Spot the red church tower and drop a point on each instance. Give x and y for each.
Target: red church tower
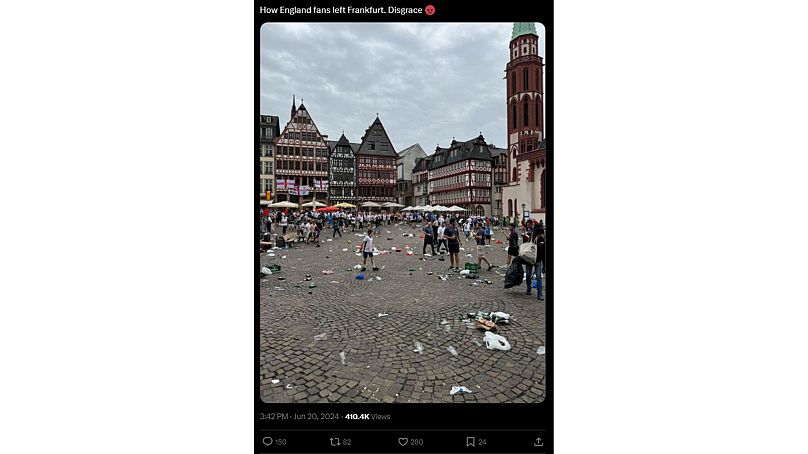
(525, 103)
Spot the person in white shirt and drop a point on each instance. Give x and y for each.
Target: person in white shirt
(284, 223)
(367, 250)
(441, 237)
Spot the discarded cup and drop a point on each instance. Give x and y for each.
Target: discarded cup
(540, 351)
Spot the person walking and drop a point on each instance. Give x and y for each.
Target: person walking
(442, 238)
(513, 243)
(367, 251)
(429, 235)
(451, 233)
(479, 235)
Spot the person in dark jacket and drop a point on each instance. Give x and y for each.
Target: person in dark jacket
(513, 242)
(429, 235)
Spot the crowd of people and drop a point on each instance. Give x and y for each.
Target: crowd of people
(442, 234)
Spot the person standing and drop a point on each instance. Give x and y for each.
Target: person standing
(487, 232)
(378, 223)
(367, 251)
(539, 241)
(513, 242)
(451, 233)
(442, 238)
(429, 234)
(284, 223)
(337, 224)
(479, 235)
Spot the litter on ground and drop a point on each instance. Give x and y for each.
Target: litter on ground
(275, 381)
(496, 342)
(459, 390)
(320, 337)
(540, 351)
(419, 347)
(342, 357)
(452, 350)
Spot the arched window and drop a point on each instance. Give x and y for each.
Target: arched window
(538, 81)
(513, 116)
(536, 117)
(479, 211)
(513, 83)
(510, 207)
(524, 120)
(515, 175)
(524, 74)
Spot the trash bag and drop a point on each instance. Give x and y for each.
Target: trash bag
(515, 274)
(496, 342)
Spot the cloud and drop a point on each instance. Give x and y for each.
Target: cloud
(428, 82)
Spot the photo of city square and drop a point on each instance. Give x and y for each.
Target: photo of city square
(403, 212)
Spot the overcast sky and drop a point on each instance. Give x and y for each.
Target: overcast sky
(428, 82)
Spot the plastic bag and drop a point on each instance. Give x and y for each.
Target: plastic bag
(496, 342)
(527, 252)
(515, 274)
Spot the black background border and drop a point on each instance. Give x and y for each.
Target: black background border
(477, 417)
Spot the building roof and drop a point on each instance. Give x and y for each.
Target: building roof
(375, 134)
(412, 148)
(422, 164)
(475, 148)
(523, 28)
(497, 151)
(271, 121)
(333, 143)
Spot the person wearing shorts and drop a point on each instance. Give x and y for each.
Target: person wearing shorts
(479, 235)
(367, 251)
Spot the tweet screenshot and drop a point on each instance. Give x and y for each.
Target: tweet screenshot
(404, 260)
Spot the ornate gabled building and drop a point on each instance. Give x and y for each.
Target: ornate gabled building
(462, 175)
(420, 181)
(301, 159)
(525, 112)
(376, 166)
(342, 171)
(404, 166)
(269, 129)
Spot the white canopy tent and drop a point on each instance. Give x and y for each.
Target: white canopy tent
(313, 203)
(284, 204)
(371, 205)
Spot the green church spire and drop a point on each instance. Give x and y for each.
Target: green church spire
(523, 28)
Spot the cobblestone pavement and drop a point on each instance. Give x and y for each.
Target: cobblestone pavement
(380, 364)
